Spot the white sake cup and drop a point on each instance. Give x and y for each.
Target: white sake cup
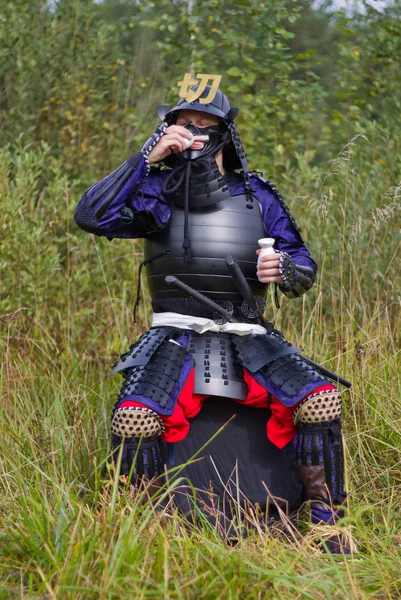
(266, 247)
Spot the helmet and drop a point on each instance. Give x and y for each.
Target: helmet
(219, 107)
(233, 153)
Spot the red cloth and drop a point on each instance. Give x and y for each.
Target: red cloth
(280, 428)
(188, 405)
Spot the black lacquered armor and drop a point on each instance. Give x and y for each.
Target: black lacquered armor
(232, 226)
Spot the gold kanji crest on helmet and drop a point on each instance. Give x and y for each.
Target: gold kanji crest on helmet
(188, 82)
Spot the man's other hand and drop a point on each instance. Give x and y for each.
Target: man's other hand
(174, 140)
(267, 269)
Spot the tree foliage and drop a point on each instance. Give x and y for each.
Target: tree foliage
(86, 77)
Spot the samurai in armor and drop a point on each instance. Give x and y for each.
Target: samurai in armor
(209, 356)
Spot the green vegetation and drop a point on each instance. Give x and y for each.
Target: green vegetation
(319, 94)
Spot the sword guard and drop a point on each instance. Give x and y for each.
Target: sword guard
(254, 314)
(218, 318)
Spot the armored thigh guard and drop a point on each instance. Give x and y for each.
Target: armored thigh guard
(278, 367)
(154, 370)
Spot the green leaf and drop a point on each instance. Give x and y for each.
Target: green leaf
(288, 35)
(234, 72)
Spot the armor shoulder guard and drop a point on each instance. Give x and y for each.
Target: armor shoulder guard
(272, 188)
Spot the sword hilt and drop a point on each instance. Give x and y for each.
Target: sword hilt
(173, 280)
(254, 308)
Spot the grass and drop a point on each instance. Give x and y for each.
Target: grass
(66, 305)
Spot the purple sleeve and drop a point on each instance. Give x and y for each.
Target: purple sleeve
(280, 225)
(128, 203)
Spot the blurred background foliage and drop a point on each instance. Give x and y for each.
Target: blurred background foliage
(86, 77)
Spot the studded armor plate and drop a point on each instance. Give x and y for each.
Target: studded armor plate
(136, 422)
(217, 372)
(141, 352)
(322, 406)
(158, 384)
(254, 352)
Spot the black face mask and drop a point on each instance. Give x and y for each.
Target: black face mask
(217, 135)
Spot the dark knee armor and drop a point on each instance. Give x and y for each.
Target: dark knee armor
(138, 431)
(319, 448)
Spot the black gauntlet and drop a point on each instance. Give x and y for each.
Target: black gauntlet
(298, 279)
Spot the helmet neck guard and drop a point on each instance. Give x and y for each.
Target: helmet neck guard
(206, 183)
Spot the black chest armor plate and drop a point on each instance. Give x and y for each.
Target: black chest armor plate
(232, 226)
